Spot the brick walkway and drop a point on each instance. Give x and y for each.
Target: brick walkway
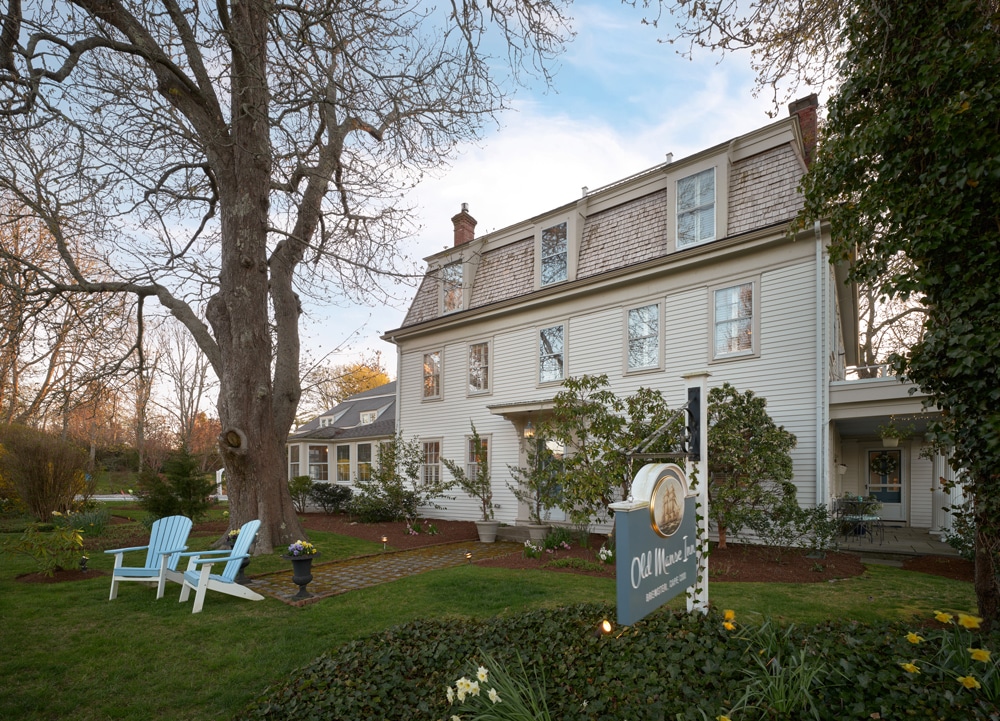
(336, 577)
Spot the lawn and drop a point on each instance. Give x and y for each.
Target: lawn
(70, 653)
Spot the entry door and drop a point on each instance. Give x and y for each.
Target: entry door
(886, 483)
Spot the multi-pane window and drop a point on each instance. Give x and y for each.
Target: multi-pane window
(474, 453)
(319, 463)
(365, 461)
(451, 286)
(479, 367)
(550, 354)
(343, 463)
(293, 461)
(555, 254)
(366, 417)
(430, 469)
(734, 320)
(644, 337)
(696, 208)
(432, 374)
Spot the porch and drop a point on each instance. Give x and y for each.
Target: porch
(898, 541)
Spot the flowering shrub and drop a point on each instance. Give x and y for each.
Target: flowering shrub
(302, 548)
(606, 553)
(498, 694)
(532, 550)
(953, 657)
(232, 536)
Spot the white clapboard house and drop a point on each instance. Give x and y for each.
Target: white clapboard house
(686, 267)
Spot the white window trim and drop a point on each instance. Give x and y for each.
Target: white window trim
(371, 459)
(423, 465)
(470, 465)
(675, 174)
(754, 351)
(423, 376)
(572, 248)
(538, 352)
(660, 309)
(336, 463)
(488, 342)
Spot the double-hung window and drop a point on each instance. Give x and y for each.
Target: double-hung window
(479, 367)
(319, 463)
(293, 461)
(432, 374)
(734, 320)
(551, 354)
(696, 209)
(476, 453)
(365, 461)
(430, 470)
(343, 464)
(451, 287)
(643, 337)
(555, 254)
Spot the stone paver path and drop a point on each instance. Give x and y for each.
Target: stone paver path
(336, 577)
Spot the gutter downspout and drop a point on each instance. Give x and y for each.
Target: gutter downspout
(822, 375)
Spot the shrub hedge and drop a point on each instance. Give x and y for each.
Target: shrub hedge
(668, 666)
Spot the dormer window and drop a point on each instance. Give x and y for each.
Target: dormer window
(451, 287)
(368, 417)
(696, 209)
(555, 254)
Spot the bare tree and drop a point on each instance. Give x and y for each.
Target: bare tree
(223, 156)
(324, 386)
(189, 372)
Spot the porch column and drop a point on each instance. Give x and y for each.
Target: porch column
(939, 499)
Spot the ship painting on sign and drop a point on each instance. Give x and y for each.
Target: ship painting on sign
(666, 506)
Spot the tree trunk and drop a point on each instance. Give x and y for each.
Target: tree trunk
(252, 443)
(987, 591)
(722, 536)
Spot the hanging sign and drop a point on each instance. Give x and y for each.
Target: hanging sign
(655, 541)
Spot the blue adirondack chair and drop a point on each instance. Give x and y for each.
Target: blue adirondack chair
(199, 577)
(167, 538)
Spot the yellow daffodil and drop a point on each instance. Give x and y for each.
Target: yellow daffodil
(728, 625)
(969, 682)
(914, 638)
(942, 617)
(729, 615)
(722, 718)
(910, 667)
(970, 622)
(979, 654)
(482, 674)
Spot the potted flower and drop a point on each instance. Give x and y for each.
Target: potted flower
(232, 536)
(301, 554)
(892, 433)
(479, 485)
(537, 487)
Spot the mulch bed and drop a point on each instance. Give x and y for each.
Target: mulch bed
(737, 563)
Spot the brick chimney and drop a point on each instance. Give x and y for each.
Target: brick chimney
(465, 226)
(805, 110)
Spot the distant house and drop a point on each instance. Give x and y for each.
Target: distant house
(341, 444)
(686, 267)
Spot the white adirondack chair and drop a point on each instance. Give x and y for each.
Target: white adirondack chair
(199, 577)
(167, 538)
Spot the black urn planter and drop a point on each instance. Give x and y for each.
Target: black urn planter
(301, 573)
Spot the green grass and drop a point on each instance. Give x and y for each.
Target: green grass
(70, 653)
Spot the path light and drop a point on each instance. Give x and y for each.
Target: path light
(385, 540)
(468, 556)
(603, 628)
(83, 564)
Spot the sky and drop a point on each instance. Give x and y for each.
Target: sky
(620, 101)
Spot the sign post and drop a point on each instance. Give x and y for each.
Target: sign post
(697, 392)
